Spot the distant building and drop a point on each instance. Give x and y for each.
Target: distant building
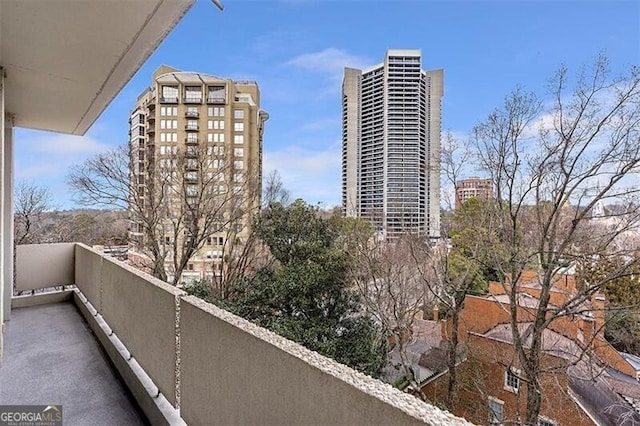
(473, 187)
(585, 380)
(194, 115)
(391, 145)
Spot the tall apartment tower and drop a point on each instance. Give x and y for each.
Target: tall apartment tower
(197, 115)
(391, 145)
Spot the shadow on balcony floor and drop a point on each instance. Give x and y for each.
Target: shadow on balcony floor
(51, 357)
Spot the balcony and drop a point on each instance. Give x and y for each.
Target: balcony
(191, 114)
(191, 127)
(168, 99)
(152, 129)
(216, 100)
(223, 370)
(191, 141)
(192, 99)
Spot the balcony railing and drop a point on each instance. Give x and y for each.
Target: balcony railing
(192, 114)
(215, 100)
(191, 127)
(192, 99)
(169, 100)
(216, 367)
(191, 141)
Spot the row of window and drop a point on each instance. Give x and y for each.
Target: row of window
(211, 137)
(193, 111)
(496, 406)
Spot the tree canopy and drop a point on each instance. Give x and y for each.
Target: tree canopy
(305, 294)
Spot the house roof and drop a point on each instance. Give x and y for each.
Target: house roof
(64, 61)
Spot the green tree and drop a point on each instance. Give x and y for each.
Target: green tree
(304, 295)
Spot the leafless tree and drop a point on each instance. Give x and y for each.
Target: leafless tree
(274, 190)
(551, 164)
(455, 158)
(177, 198)
(386, 273)
(31, 202)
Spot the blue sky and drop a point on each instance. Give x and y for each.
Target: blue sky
(296, 51)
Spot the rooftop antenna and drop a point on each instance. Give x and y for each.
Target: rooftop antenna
(218, 4)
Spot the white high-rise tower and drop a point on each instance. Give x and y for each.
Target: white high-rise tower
(391, 145)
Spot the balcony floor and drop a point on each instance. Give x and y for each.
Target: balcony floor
(52, 358)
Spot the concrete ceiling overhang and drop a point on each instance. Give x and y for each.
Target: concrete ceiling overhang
(65, 60)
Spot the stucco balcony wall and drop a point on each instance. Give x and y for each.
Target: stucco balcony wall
(230, 371)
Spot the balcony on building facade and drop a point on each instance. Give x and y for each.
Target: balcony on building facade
(191, 141)
(191, 114)
(168, 99)
(191, 152)
(152, 129)
(216, 374)
(216, 99)
(192, 99)
(191, 127)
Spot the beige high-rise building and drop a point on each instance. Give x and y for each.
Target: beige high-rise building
(391, 145)
(196, 144)
(473, 187)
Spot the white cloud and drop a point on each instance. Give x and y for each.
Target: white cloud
(62, 145)
(322, 124)
(44, 159)
(311, 175)
(330, 62)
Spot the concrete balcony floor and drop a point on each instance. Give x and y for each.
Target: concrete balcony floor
(51, 357)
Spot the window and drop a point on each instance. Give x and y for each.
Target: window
(192, 138)
(193, 94)
(174, 124)
(238, 177)
(168, 111)
(238, 127)
(210, 124)
(174, 137)
(163, 124)
(238, 113)
(496, 411)
(215, 111)
(163, 137)
(239, 139)
(192, 125)
(512, 380)
(216, 94)
(192, 112)
(218, 124)
(238, 165)
(238, 152)
(209, 137)
(542, 421)
(170, 93)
